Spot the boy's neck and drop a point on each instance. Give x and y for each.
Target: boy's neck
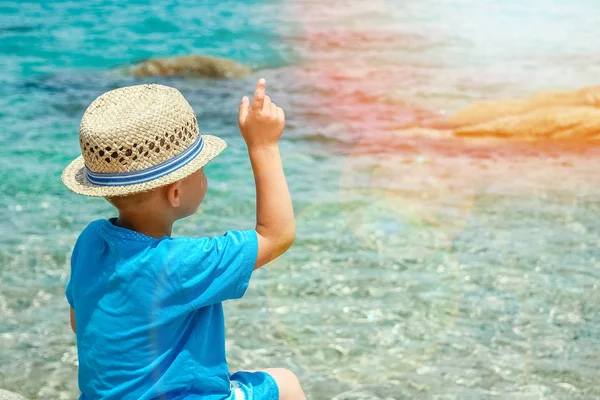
(148, 226)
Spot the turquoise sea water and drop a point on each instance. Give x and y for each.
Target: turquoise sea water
(422, 268)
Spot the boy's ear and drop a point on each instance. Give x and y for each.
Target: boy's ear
(174, 194)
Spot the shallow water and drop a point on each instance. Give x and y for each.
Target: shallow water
(423, 268)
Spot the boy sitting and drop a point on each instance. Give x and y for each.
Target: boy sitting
(146, 308)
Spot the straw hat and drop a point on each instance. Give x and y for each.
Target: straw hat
(138, 138)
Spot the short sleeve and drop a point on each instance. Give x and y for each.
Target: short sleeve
(215, 269)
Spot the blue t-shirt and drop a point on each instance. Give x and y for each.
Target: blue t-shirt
(148, 311)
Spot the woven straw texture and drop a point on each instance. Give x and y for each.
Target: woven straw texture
(135, 128)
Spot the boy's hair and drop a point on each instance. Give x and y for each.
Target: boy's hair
(132, 200)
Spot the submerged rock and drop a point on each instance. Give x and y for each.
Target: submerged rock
(190, 66)
(559, 123)
(491, 110)
(6, 395)
(565, 116)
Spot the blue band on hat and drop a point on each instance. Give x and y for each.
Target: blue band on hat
(148, 174)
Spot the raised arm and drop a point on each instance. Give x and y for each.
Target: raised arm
(261, 125)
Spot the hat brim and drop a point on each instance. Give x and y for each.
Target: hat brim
(75, 178)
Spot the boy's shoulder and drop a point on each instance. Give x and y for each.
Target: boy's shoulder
(184, 249)
(95, 225)
(93, 228)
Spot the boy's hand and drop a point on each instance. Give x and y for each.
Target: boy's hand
(261, 123)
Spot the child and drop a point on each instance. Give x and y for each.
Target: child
(146, 308)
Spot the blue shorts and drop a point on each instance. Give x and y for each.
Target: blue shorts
(253, 386)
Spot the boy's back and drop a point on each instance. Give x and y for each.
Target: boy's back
(147, 327)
